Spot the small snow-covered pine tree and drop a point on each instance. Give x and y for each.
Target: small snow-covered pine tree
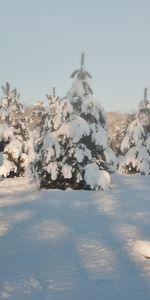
(136, 143)
(144, 111)
(117, 133)
(136, 149)
(16, 144)
(74, 152)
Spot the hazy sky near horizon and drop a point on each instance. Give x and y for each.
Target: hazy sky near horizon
(41, 42)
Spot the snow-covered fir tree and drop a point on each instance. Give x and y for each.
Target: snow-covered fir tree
(74, 151)
(42, 116)
(50, 115)
(118, 130)
(144, 111)
(38, 116)
(136, 150)
(16, 144)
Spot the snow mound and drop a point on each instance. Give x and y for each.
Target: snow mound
(96, 178)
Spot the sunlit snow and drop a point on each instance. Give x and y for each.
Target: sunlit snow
(68, 245)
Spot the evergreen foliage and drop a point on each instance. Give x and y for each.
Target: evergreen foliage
(74, 148)
(117, 134)
(136, 149)
(15, 138)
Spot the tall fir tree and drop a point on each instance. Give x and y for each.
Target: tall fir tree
(74, 151)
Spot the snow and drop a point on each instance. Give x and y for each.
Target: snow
(52, 168)
(14, 148)
(77, 89)
(139, 158)
(75, 129)
(81, 152)
(66, 171)
(51, 146)
(4, 113)
(6, 166)
(75, 244)
(79, 128)
(99, 135)
(92, 107)
(135, 135)
(5, 132)
(96, 178)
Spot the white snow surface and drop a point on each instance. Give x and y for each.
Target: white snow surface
(96, 178)
(69, 245)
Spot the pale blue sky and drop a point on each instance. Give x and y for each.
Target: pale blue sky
(41, 42)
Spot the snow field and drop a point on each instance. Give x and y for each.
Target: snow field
(75, 244)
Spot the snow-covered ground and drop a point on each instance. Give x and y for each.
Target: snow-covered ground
(75, 245)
